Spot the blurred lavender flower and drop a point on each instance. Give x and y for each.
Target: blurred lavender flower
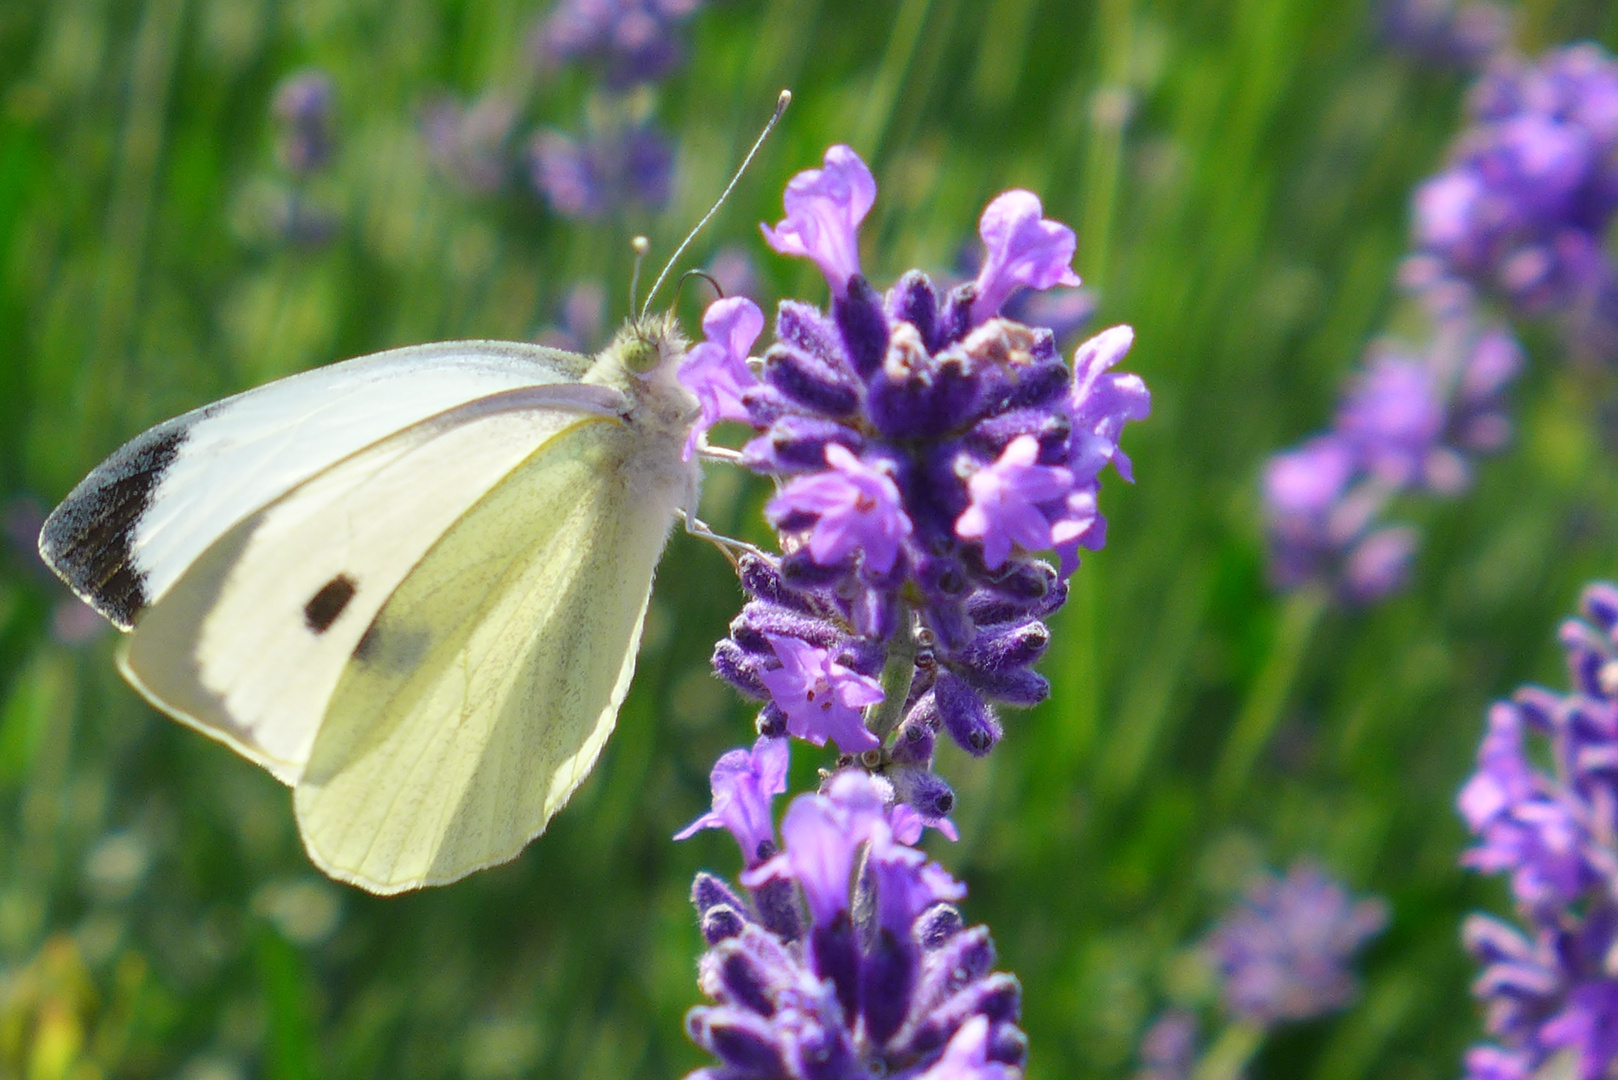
(1168, 1050)
(1552, 989)
(583, 324)
(1523, 209)
(603, 172)
(303, 110)
(1445, 32)
(632, 41)
(926, 447)
(471, 144)
(1284, 951)
(733, 268)
(1409, 422)
(882, 980)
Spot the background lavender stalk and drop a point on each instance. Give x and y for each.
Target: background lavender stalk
(1282, 954)
(1523, 208)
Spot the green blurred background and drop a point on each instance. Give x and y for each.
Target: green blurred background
(1237, 172)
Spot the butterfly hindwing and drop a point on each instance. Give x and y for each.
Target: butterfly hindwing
(484, 689)
(139, 521)
(248, 644)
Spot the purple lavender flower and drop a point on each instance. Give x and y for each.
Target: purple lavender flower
(303, 108)
(632, 41)
(1411, 422)
(1026, 249)
(583, 324)
(1552, 989)
(744, 783)
(1168, 1050)
(735, 271)
(883, 981)
(1284, 951)
(716, 370)
(1446, 32)
(1004, 510)
(471, 144)
(603, 172)
(1523, 208)
(928, 448)
(824, 210)
(855, 507)
(821, 698)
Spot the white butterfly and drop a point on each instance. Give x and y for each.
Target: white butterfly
(411, 585)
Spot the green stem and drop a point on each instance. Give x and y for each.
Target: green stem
(1261, 712)
(1227, 1058)
(897, 674)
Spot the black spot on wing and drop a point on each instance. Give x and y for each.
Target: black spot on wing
(324, 607)
(87, 540)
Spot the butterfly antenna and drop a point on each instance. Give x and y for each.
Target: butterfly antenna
(781, 104)
(640, 245)
(705, 276)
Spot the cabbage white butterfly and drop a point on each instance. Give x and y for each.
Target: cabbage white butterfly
(410, 585)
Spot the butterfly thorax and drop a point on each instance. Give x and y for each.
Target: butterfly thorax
(642, 362)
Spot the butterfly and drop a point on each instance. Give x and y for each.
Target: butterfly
(410, 585)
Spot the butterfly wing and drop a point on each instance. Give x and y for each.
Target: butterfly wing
(484, 689)
(247, 645)
(136, 524)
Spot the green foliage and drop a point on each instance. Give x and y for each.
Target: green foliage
(1238, 173)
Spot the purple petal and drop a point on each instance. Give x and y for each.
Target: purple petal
(824, 210)
(1025, 249)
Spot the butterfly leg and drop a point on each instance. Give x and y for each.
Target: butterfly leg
(720, 453)
(728, 546)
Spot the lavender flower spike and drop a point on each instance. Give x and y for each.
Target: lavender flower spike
(1025, 248)
(744, 782)
(824, 210)
(716, 370)
(1284, 951)
(887, 982)
(1552, 989)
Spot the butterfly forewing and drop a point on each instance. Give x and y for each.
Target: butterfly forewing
(128, 532)
(489, 681)
(247, 645)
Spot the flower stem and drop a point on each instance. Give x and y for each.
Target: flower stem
(897, 673)
(1229, 1055)
(1268, 696)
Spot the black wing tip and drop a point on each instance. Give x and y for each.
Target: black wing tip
(87, 541)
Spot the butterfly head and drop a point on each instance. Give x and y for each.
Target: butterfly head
(649, 345)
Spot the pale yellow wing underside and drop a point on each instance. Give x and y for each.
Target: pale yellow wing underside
(229, 649)
(487, 684)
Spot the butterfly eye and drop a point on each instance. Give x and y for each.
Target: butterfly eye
(641, 355)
